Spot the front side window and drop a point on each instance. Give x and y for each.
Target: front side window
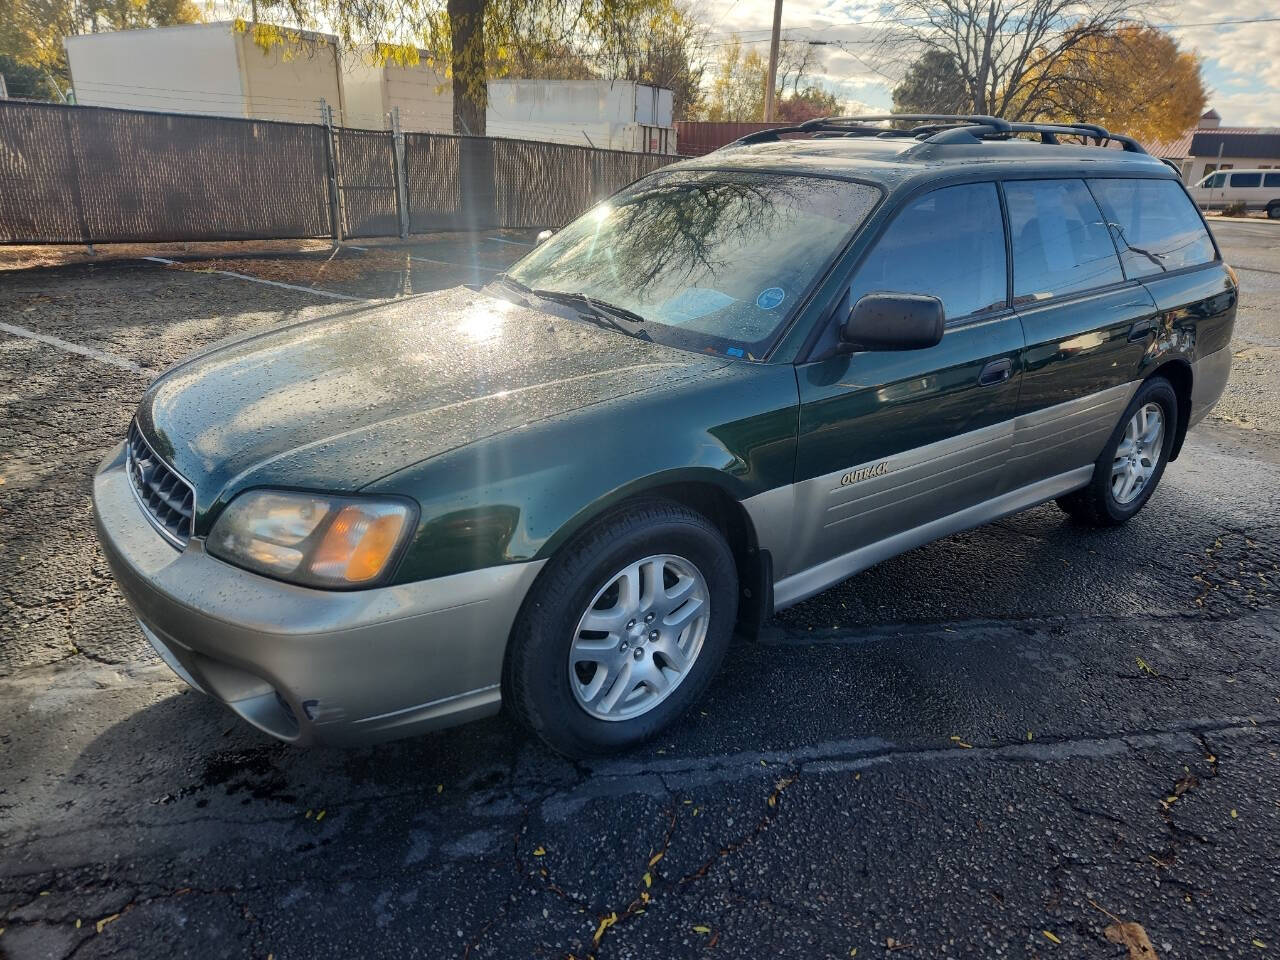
(1213, 181)
(715, 261)
(948, 244)
(1246, 179)
(1156, 228)
(1060, 240)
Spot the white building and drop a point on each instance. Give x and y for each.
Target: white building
(208, 68)
(1210, 147)
(212, 68)
(609, 114)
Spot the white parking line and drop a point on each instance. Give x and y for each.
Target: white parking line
(270, 283)
(454, 263)
(68, 347)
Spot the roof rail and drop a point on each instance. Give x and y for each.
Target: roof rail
(942, 128)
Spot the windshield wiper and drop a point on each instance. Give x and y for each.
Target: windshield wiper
(600, 309)
(511, 281)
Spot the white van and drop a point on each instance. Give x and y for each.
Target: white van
(1256, 189)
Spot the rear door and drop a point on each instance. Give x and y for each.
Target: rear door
(890, 441)
(1086, 328)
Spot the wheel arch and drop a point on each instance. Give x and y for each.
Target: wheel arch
(1180, 376)
(712, 494)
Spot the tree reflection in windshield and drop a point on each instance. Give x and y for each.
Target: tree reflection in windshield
(718, 259)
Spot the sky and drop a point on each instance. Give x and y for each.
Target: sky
(1241, 63)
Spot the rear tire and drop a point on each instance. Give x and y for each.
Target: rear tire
(648, 597)
(1133, 461)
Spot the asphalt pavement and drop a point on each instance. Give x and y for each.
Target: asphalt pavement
(1028, 740)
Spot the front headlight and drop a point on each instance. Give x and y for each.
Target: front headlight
(310, 539)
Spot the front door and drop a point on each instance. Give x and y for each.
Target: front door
(892, 441)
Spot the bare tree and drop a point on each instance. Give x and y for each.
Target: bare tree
(1008, 51)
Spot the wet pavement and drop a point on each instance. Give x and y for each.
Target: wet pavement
(1006, 744)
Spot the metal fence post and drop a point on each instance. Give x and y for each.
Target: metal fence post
(402, 177)
(335, 201)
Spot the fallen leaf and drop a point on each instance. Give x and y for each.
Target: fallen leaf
(605, 924)
(539, 851)
(1030, 736)
(77, 923)
(648, 880)
(1132, 935)
(653, 861)
(701, 929)
(439, 788)
(319, 816)
(853, 951)
(1234, 815)
(1259, 944)
(1050, 937)
(105, 920)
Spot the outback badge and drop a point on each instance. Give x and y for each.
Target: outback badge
(865, 473)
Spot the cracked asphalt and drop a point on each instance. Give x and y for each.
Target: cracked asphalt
(1004, 744)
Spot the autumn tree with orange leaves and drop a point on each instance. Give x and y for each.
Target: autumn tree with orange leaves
(1132, 80)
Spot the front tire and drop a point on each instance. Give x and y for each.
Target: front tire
(1133, 461)
(624, 629)
(1273, 211)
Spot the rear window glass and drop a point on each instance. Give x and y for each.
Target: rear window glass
(1246, 179)
(1060, 241)
(948, 244)
(1271, 180)
(1155, 226)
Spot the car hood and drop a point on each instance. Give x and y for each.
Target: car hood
(336, 403)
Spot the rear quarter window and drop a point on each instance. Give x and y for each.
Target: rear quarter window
(1060, 241)
(1155, 226)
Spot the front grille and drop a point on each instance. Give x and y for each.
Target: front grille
(167, 500)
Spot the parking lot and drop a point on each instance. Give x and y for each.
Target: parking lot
(1011, 743)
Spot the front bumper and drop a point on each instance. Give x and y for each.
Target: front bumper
(313, 666)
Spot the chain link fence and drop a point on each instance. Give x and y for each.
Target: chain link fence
(97, 175)
(100, 175)
(484, 182)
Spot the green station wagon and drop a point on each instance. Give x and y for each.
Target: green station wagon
(737, 382)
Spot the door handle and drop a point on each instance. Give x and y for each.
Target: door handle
(997, 371)
(1139, 330)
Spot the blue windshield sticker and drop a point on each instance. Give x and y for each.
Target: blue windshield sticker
(770, 298)
(734, 351)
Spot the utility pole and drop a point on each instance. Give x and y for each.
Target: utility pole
(772, 79)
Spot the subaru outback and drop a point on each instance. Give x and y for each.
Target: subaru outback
(737, 382)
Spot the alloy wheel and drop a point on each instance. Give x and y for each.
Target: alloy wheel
(1138, 454)
(639, 637)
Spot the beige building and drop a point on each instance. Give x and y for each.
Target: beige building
(423, 95)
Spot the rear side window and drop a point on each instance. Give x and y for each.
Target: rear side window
(1246, 179)
(1271, 180)
(948, 244)
(1156, 228)
(1060, 241)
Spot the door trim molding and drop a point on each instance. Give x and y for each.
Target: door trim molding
(805, 584)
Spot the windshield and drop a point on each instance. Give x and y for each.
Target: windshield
(714, 261)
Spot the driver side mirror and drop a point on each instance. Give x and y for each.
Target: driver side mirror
(892, 321)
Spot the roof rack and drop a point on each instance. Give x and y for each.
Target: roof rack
(942, 128)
